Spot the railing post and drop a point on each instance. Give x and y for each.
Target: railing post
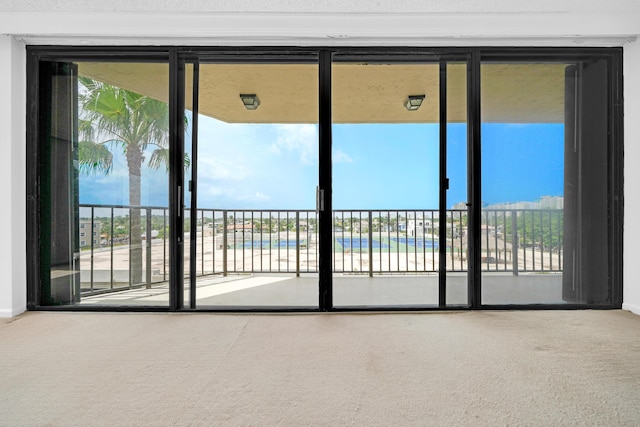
(371, 244)
(224, 243)
(148, 232)
(111, 279)
(202, 241)
(514, 241)
(130, 248)
(92, 225)
(164, 245)
(297, 243)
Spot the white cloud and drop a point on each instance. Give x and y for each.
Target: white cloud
(275, 149)
(257, 197)
(261, 196)
(300, 139)
(211, 191)
(217, 169)
(339, 156)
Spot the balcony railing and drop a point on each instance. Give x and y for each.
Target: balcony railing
(286, 241)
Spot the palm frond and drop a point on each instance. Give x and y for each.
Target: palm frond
(124, 118)
(160, 157)
(94, 158)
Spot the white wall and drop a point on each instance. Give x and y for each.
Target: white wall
(353, 22)
(286, 22)
(12, 177)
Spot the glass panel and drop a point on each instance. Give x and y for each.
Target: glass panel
(385, 184)
(60, 221)
(544, 191)
(257, 175)
(105, 183)
(456, 221)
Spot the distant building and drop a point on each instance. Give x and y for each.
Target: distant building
(514, 206)
(240, 228)
(86, 234)
(154, 234)
(419, 227)
(545, 202)
(551, 202)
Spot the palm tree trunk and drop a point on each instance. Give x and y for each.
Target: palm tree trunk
(134, 162)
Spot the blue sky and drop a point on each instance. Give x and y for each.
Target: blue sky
(376, 166)
(522, 162)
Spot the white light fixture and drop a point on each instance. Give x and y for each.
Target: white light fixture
(250, 101)
(413, 102)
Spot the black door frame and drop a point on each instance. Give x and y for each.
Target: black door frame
(442, 59)
(233, 56)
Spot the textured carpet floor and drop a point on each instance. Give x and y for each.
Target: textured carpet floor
(472, 368)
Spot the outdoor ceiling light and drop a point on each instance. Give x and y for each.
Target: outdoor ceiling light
(413, 102)
(250, 101)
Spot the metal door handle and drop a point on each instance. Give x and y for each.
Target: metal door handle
(319, 200)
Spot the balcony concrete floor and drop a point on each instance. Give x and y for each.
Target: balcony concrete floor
(279, 290)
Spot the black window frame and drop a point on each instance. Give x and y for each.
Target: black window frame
(176, 56)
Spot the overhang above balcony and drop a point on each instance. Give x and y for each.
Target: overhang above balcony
(362, 93)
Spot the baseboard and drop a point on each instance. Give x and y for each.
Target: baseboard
(12, 313)
(631, 307)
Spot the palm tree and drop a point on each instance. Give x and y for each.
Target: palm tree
(113, 117)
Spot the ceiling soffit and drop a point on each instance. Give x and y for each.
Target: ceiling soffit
(361, 93)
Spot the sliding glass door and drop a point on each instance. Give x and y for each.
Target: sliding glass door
(324, 179)
(251, 174)
(253, 199)
(544, 218)
(395, 240)
(103, 139)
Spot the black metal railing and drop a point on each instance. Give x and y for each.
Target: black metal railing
(108, 250)
(286, 241)
(522, 240)
(252, 241)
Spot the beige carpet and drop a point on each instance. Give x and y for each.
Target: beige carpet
(544, 368)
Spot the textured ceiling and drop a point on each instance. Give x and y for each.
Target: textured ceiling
(362, 93)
